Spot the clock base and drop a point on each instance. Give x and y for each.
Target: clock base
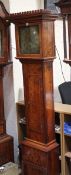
(39, 159)
(6, 149)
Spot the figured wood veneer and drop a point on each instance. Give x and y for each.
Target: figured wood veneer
(39, 149)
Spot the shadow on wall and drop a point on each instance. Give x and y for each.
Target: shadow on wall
(7, 4)
(10, 107)
(57, 97)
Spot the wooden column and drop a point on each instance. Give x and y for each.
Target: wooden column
(2, 119)
(38, 78)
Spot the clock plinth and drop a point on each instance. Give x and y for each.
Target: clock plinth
(39, 158)
(36, 51)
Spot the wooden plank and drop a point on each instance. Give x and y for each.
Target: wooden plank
(62, 108)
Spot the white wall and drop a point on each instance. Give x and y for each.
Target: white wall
(57, 70)
(6, 3)
(24, 5)
(10, 107)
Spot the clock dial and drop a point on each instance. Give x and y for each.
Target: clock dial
(29, 40)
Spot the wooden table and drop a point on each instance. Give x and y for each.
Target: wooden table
(62, 108)
(64, 111)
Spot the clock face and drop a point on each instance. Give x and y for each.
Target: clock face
(29, 39)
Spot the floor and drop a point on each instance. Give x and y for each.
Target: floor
(10, 169)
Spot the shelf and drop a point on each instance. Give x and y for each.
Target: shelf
(62, 108)
(69, 135)
(68, 154)
(20, 103)
(57, 132)
(67, 61)
(63, 136)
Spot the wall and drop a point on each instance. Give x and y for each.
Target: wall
(10, 107)
(6, 3)
(22, 5)
(60, 68)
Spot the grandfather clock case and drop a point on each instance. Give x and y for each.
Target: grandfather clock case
(35, 50)
(6, 141)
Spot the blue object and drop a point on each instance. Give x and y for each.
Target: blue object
(67, 128)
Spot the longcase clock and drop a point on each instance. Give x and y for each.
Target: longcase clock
(35, 50)
(6, 141)
(65, 7)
